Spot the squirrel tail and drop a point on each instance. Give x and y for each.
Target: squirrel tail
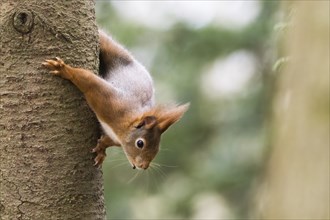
(111, 54)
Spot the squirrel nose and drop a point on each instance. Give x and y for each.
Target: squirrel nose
(144, 165)
(141, 164)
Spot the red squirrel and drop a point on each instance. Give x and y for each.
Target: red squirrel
(123, 101)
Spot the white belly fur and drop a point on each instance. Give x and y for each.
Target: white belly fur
(109, 131)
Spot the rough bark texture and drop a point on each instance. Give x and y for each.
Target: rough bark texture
(47, 129)
(297, 181)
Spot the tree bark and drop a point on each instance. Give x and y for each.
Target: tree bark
(297, 179)
(47, 129)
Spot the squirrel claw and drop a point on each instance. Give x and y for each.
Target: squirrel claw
(55, 72)
(94, 150)
(99, 159)
(56, 64)
(59, 60)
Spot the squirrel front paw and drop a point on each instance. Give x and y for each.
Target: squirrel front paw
(57, 67)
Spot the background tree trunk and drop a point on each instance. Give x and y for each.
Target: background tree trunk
(297, 180)
(47, 129)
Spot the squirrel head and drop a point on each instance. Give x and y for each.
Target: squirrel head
(142, 143)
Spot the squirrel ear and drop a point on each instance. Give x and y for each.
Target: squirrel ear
(171, 116)
(148, 122)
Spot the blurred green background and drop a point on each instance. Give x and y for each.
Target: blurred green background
(217, 55)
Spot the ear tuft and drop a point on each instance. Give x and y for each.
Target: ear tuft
(171, 115)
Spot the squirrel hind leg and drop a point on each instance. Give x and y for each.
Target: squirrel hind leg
(112, 54)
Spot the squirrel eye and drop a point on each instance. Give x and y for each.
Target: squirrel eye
(139, 143)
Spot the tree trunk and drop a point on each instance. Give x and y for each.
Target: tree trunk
(47, 129)
(297, 181)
